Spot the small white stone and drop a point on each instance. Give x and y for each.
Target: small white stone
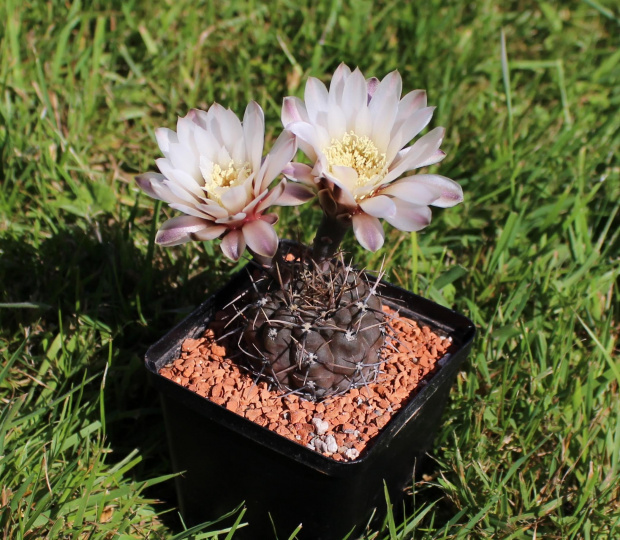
(332, 445)
(321, 426)
(352, 453)
(319, 445)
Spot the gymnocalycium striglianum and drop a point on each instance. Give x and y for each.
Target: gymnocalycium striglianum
(310, 323)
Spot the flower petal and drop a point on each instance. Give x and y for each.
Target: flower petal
(343, 176)
(185, 158)
(190, 210)
(310, 139)
(145, 183)
(343, 180)
(336, 86)
(165, 137)
(300, 172)
(213, 209)
(226, 126)
(408, 130)
(198, 118)
(233, 244)
(179, 177)
(174, 193)
(250, 209)
(336, 122)
(356, 90)
(272, 219)
(164, 193)
(344, 198)
(234, 198)
(185, 130)
(271, 198)
(383, 108)
(432, 159)
(392, 84)
(363, 123)
(209, 233)
(411, 192)
(295, 194)
(379, 206)
(368, 231)
(254, 133)
(178, 230)
(427, 189)
(417, 154)
(315, 97)
(411, 103)
(372, 84)
(260, 237)
(207, 145)
(409, 217)
(232, 221)
(293, 110)
(416, 123)
(281, 153)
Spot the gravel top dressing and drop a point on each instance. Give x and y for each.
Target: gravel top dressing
(340, 427)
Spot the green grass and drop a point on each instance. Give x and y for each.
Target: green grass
(530, 447)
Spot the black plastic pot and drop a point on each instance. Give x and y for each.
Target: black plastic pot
(228, 459)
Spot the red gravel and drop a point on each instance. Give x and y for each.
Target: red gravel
(340, 427)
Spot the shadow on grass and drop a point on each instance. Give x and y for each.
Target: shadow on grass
(97, 285)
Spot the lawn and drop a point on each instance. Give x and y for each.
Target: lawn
(530, 445)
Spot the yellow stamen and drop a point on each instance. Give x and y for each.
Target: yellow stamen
(359, 153)
(225, 177)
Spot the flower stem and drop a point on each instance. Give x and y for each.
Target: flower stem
(260, 260)
(329, 236)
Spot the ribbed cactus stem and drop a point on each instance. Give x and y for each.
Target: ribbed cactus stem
(317, 330)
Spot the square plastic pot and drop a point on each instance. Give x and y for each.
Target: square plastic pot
(227, 459)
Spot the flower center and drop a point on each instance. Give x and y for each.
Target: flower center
(359, 153)
(225, 177)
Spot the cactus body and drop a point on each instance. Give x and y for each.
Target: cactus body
(314, 330)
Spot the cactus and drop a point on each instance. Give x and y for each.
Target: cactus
(316, 329)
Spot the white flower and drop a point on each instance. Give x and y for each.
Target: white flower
(213, 171)
(355, 135)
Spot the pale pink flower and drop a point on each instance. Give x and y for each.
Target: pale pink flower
(213, 171)
(355, 135)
